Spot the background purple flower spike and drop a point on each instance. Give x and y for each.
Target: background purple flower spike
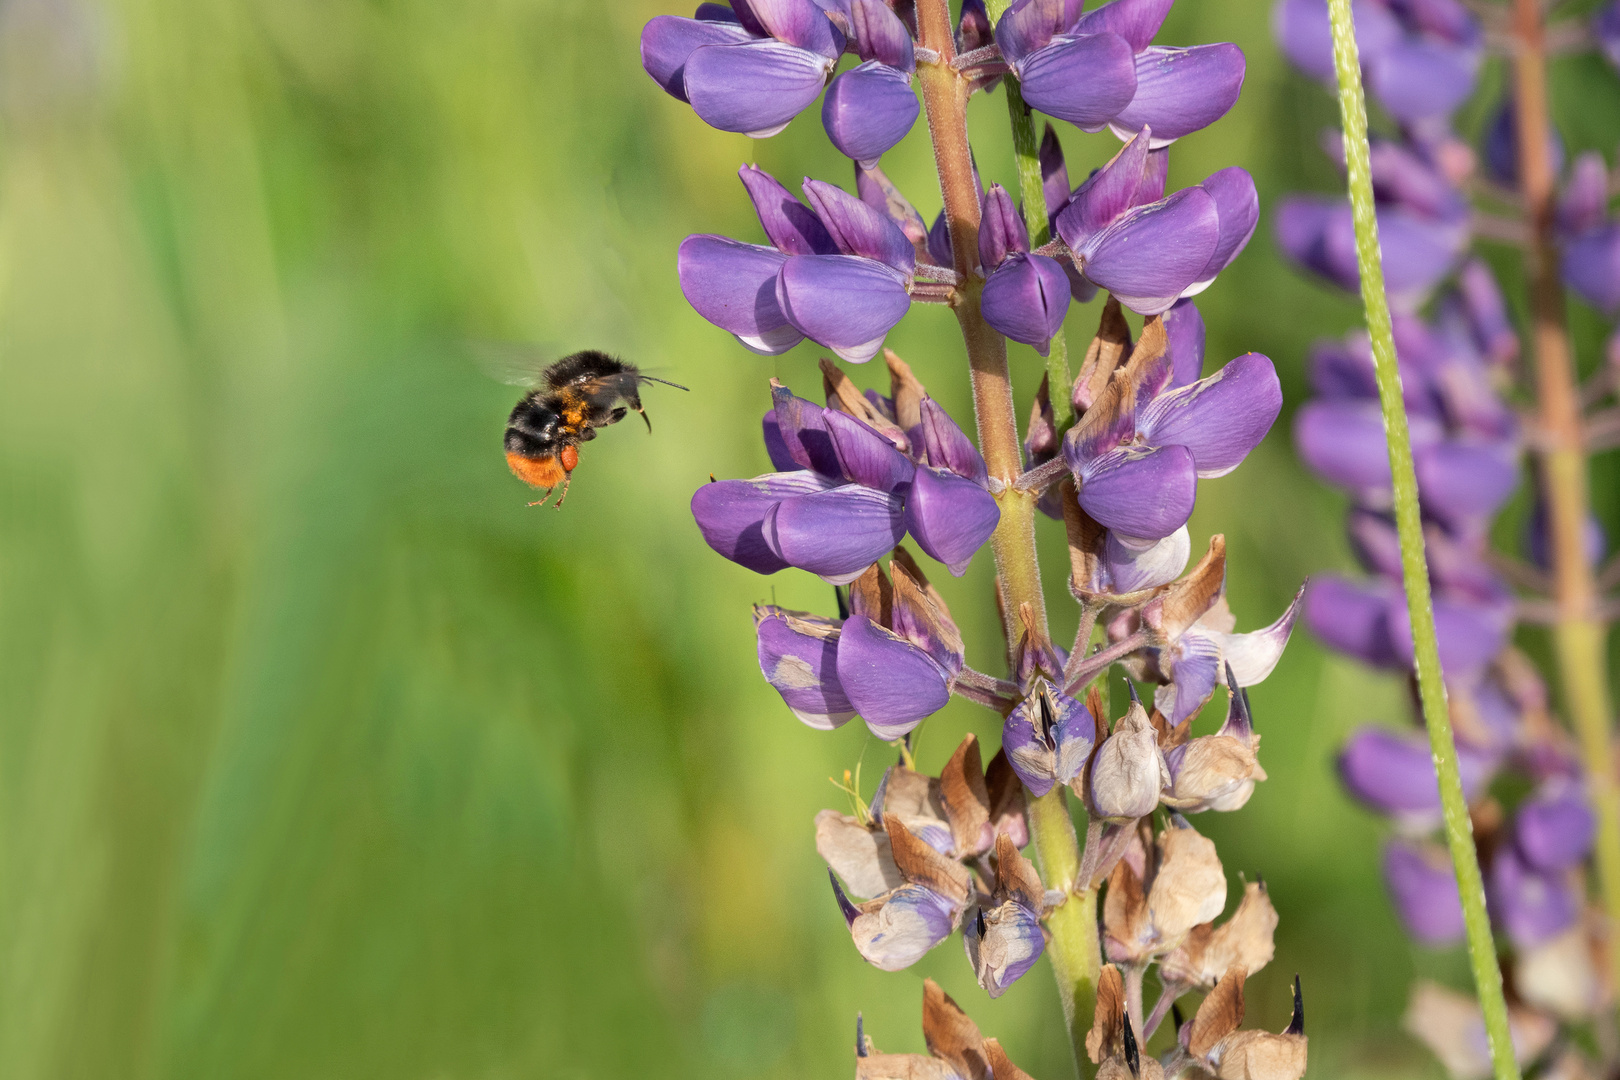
(1393, 772)
(1424, 890)
(1352, 618)
(1553, 829)
(1531, 906)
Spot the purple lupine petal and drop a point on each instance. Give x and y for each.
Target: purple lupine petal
(1554, 828)
(1305, 33)
(1592, 267)
(1028, 25)
(869, 109)
(1487, 312)
(1219, 418)
(858, 229)
(1586, 196)
(1238, 205)
(1340, 369)
(1343, 443)
(1461, 481)
(755, 87)
(1254, 655)
(1606, 28)
(1393, 772)
(1134, 20)
(1416, 252)
(1351, 618)
(1140, 491)
(802, 426)
(835, 534)
(1416, 79)
(1424, 889)
(1195, 673)
(716, 13)
(949, 516)
(880, 35)
(1132, 568)
(1026, 299)
(973, 30)
(788, 223)
(1319, 234)
(939, 242)
(1470, 634)
(1530, 906)
(892, 683)
(947, 446)
(1012, 942)
(668, 40)
(1054, 173)
(910, 921)
(879, 192)
(1105, 194)
(1184, 329)
(731, 515)
(1401, 175)
(800, 23)
(1180, 91)
(1001, 229)
(845, 302)
(1043, 756)
(867, 458)
(1150, 254)
(1027, 752)
(799, 657)
(1085, 80)
(733, 285)
(775, 445)
(919, 620)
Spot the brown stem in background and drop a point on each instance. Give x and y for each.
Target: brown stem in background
(1579, 635)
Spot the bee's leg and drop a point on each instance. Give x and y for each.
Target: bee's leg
(634, 401)
(569, 479)
(541, 500)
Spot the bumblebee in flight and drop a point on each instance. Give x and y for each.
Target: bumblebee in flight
(571, 399)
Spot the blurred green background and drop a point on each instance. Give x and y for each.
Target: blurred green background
(321, 753)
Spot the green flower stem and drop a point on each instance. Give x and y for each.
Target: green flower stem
(1075, 952)
(1414, 565)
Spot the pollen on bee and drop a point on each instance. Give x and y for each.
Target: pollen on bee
(570, 458)
(540, 472)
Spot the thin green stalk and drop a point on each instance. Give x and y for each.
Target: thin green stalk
(1414, 564)
(1075, 952)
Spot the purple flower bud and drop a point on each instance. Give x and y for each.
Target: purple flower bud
(1054, 173)
(881, 36)
(1002, 944)
(1027, 298)
(1393, 773)
(973, 30)
(1106, 193)
(1184, 328)
(868, 109)
(1219, 418)
(789, 225)
(892, 683)
(1085, 79)
(1180, 91)
(945, 445)
(733, 285)
(1048, 738)
(845, 302)
(1424, 888)
(1554, 827)
(802, 426)
(755, 87)
(858, 229)
(667, 41)
(950, 516)
(879, 192)
(837, 533)
(798, 655)
(1586, 196)
(1001, 229)
(1531, 906)
(731, 515)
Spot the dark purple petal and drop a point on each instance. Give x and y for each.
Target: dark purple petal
(802, 426)
(1424, 889)
(1028, 25)
(1592, 267)
(1554, 828)
(668, 40)
(1530, 906)
(835, 534)
(798, 22)
(842, 301)
(731, 515)
(858, 229)
(949, 516)
(1142, 492)
(1220, 418)
(939, 242)
(716, 13)
(1303, 30)
(1151, 254)
(799, 656)
(869, 109)
(788, 223)
(1352, 618)
(867, 458)
(1054, 173)
(733, 285)
(1180, 91)
(973, 30)
(1001, 230)
(1538, 545)
(755, 87)
(1502, 146)
(776, 446)
(1416, 79)
(881, 36)
(946, 445)
(1470, 634)
(1466, 481)
(1238, 206)
(1184, 328)
(892, 683)
(1026, 299)
(1105, 194)
(1134, 20)
(1606, 28)
(1085, 80)
(1393, 772)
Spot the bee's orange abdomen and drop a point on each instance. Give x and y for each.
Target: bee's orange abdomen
(541, 472)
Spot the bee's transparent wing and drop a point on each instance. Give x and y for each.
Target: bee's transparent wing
(515, 363)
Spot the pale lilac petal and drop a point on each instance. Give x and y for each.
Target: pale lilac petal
(1238, 205)
(1151, 254)
(1085, 80)
(731, 515)
(835, 534)
(1140, 491)
(788, 223)
(1134, 20)
(1352, 618)
(668, 40)
(910, 921)
(1254, 655)
(947, 446)
(798, 22)
(950, 516)
(1180, 91)
(859, 229)
(1105, 194)
(1184, 329)
(733, 285)
(1219, 418)
(1194, 673)
(1012, 942)
(1585, 199)
(799, 657)
(1026, 299)
(1424, 890)
(867, 110)
(867, 457)
(842, 301)
(755, 87)
(1132, 568)
(892, 683)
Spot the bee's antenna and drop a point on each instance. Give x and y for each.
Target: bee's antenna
(666, 382)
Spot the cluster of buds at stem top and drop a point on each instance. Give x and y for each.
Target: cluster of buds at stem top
(1534, 833)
